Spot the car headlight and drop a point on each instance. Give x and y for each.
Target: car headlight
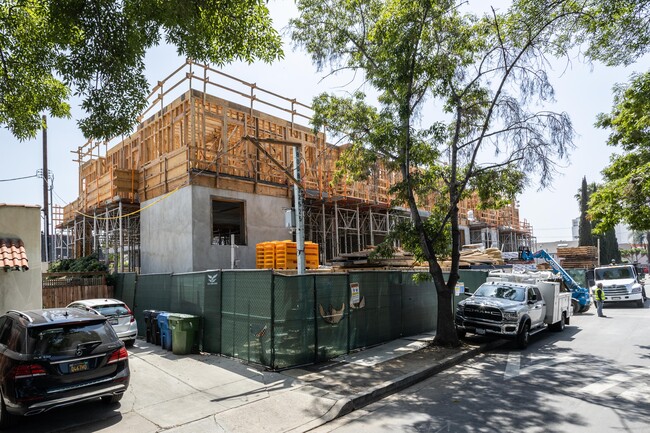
(510, 315)
(636, 289)
(460, 308)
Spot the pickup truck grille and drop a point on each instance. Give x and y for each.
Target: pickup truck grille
(485, 313)
(615, 291)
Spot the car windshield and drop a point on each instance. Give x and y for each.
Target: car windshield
(67, 339)
(501, 292)
(112, 310)
(613, 273)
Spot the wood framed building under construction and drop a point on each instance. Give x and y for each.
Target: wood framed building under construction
(208, 175)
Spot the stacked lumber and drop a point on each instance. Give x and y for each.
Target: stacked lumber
(578, 257)
(362, 259)
(471, 257)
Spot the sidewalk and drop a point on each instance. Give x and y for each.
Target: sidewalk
(210, 393)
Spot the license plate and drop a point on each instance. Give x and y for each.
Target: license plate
(480, 331)
(616, 297)
(79, 366)
(112, 321)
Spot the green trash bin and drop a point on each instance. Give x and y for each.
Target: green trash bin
(185, 331)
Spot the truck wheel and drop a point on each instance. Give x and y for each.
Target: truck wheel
(640, 303)
(567, 320)
(559, 325)
(576, 307)
(524, 336)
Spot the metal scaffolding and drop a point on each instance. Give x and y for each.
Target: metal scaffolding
(112, 231)
(62, 236)
(341, 228)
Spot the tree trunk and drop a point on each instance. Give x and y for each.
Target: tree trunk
(445, 328)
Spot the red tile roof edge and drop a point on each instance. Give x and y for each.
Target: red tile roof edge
(12, 255)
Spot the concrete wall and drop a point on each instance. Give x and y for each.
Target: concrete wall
(166, 233)
(22, 290)
(176, 233)
(264, 222)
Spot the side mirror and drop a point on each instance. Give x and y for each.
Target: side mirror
(467, 294)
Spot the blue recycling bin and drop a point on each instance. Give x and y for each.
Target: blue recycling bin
(165, 330)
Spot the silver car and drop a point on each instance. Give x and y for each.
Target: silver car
(119, 316)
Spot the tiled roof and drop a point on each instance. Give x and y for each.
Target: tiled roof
(12, 255)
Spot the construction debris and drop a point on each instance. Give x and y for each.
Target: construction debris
(363, 259)
(474, 257)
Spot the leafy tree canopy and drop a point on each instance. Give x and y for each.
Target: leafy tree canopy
(614, 32)
(625, 195)
(51, 49)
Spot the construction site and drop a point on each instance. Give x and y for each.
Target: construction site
(210, 172)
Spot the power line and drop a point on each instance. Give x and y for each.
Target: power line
(18, 178)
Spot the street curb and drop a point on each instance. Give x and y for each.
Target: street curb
(346, 405)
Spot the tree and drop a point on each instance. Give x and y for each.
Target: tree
(609, 251)
(483, 73)
(50, 49)
(585, 236)
(632, 254)
(625, 194)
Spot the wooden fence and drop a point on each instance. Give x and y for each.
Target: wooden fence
(62, 288)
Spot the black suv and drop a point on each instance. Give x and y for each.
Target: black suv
(56, 357)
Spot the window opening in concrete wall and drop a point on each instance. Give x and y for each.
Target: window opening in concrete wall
(228, 218)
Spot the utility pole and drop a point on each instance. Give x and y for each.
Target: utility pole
(46, 205)
(300, 212)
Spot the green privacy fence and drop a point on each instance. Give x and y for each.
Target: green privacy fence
(282, 321)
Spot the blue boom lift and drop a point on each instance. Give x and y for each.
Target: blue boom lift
(579, 295)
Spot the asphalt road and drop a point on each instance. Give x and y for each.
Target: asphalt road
(593, 377)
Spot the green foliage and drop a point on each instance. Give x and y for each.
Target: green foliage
(50, 48)
(27, 84)
(89, 263)
(633, 254)
(625, 195)
(609, 247)
(614, 32)
(584, 230)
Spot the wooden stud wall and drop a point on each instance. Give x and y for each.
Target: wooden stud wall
(202, 140)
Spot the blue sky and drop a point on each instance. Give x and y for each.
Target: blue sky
(582, 90)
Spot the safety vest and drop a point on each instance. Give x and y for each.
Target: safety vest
(599, 294)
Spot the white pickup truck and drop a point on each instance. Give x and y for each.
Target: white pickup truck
(514, 306)
(621, 283)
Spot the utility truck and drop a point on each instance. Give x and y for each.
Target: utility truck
(621, 283)
(515, 306)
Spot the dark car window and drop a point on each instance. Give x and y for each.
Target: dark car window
(12, 336)
(111, 310)
(5, 331)
(66, 339)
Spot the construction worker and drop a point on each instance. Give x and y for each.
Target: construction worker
(599, 298)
